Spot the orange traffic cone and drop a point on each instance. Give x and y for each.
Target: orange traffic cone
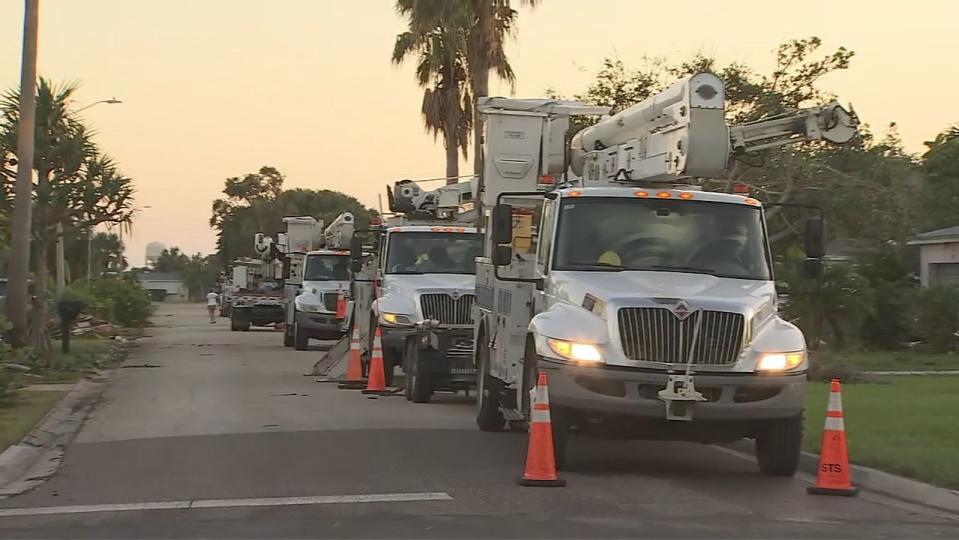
(377, 381)
(340, 305)
(834, 477)
(354, 368)
(540, 459)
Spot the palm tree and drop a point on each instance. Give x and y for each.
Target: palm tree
(76, 187)
(442, 71)
(486, 25)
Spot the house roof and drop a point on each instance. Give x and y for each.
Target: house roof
(938, 236)
(160, 276)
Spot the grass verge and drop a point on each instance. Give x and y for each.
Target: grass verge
(892, 360)
(904, 425)
(24, 410)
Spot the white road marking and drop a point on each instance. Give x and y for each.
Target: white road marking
(226, 503)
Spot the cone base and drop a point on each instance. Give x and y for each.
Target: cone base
(377, 392)
(839, 492)
(352, 385)
(530, 482)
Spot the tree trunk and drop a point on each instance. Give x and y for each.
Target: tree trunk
(39, 337)
(452, 157)
(480, 89)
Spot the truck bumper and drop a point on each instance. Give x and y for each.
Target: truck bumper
(447, 354)
(731, 398)
(319, 325)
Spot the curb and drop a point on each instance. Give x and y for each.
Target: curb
(888, 484)
(36, 457)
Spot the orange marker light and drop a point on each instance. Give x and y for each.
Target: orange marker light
(436, 229)
(664, 195)
(575, 193)
(752, 202)
(641, 193)
(686, 195)
(547, 179)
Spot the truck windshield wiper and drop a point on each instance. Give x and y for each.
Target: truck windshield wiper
(691, 269)
(600, 266)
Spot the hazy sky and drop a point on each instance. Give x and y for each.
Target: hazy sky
(217, 88)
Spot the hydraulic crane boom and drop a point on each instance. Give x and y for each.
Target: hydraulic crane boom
(830, 123)
(682, 133)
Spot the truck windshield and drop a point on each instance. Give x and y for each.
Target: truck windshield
(327, 268)
(613, 234)
(433, 253)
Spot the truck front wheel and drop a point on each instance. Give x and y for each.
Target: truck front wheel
(488, 415)
(301, 341)
(420, 385)
(778, 447)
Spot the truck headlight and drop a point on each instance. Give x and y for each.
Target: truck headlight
(780, 361)
(579, 352)
(396, 319)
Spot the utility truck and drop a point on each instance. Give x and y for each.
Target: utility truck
(423, 275)
(319, 281)
(255, 293)
(649, 302)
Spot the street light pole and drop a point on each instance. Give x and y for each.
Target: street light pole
(61, 264)
(16, 302)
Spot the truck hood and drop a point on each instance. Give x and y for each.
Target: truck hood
(626, 288)
(401, 291)
(412, 284)
(325, 286)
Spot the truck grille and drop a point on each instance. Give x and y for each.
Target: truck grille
(446, 310)
(329, 300)
(656, 335)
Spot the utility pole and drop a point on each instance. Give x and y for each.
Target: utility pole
(17, 298)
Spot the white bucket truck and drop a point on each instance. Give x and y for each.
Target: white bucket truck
(649, 303)
(318, 278)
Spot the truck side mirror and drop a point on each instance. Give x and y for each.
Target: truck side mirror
(502, 224)
(356, 254)
(502, 255)
(814, 238)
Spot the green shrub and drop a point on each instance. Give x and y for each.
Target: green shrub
(120, 301)
(937, 318)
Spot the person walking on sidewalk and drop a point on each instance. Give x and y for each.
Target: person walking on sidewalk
(212, 301)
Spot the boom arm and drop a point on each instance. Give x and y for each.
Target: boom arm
(682, 133)
(830, 123)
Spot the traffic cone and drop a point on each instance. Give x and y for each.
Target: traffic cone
(354, 368)
(340, 305)
(834, 476)
(540, 458)
(377, 381)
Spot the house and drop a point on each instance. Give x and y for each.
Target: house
(938, 257)
(164, 286)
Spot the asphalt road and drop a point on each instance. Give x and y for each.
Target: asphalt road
(200, 416)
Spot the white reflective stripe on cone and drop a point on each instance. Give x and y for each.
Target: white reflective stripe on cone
(542, 395)
(540, 417)
(835, 402)
(834, 424)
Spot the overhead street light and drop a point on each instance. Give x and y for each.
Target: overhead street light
(111, 101)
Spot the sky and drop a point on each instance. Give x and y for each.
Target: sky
(218, 88)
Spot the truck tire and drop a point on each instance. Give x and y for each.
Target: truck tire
(287, 337)
(409, 353)
(421, 387)
(301, 341)
(778, 447)
(560, 419)
(488, 415)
